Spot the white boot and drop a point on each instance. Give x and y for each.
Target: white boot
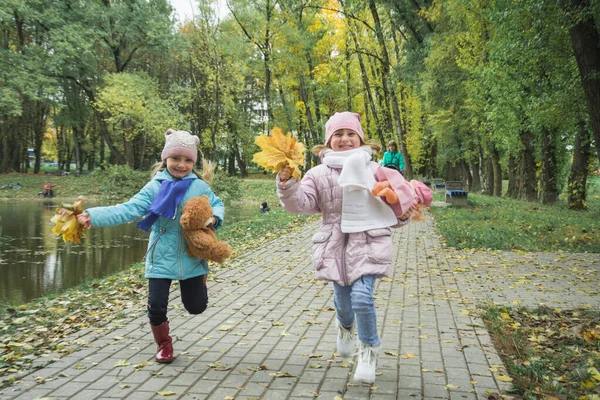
(345, 340)
(367, 363)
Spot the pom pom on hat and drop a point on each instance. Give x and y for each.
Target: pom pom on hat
(343, 120)
(180, 143)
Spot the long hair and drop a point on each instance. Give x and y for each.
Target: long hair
(207, 175)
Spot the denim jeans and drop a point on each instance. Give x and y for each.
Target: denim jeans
(357, 301)
(194, 297)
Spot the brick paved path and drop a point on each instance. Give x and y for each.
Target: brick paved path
(269, 331)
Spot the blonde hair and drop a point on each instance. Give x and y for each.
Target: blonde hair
(375, 147)
(207, 175)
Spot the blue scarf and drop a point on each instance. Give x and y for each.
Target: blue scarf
(165, 202)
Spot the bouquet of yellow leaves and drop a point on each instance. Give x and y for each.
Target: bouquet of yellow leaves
(66, 221)
(279, 150)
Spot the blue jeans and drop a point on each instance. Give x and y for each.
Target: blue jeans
(357, 300)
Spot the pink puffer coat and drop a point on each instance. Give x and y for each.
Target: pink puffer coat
(337, 256)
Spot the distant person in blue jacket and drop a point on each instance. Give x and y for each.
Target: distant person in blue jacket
(160, 202)
(393, 157)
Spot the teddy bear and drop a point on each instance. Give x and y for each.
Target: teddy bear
(196, 221)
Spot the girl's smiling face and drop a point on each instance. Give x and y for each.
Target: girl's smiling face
(179, 166)
(344, 139)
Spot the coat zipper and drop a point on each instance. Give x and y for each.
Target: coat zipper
(345, 271)
(151, 247)
(181, 241)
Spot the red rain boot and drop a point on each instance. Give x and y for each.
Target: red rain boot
(164, 354)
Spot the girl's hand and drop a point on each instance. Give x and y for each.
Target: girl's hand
(285, 173)
(84, 219)
(383, 189)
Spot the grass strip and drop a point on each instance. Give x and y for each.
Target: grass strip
(548, 353)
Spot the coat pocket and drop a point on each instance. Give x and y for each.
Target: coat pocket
(319, 241)
(379, 243)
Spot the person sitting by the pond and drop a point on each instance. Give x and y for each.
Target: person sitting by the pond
(264, 207)
(174, 182)
(48, 191)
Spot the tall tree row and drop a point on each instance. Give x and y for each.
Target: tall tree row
(480, 91)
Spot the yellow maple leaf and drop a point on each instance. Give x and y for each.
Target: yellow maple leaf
(66, 224)
(278, 150)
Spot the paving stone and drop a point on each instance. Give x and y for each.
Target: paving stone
(420, 310)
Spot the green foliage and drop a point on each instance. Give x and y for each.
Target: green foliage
(119, 182)
(132, 106)
(226, 187)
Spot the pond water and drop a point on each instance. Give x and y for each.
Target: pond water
(35, 262)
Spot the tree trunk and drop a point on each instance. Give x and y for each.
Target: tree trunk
(78, 140)
(60, 147)
(389, 91)
(267, 61)
(289, 120)
(497, 173)
(365, 79)
(585, 38)
(39, 128)
(512, 191)
(549, 192)
(311, 75)
(579, 170)
(467, 178)
(114, 152)
(476, 185)
(217, 112)
(348, 76)
(129, 151)
(231, 164)
(240, 162)
(430, 164)
(102, 154)
(528, 183)
(489, 177)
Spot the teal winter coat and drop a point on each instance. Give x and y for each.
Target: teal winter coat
(166, 256)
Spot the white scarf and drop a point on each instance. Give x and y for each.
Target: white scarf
(361, 211)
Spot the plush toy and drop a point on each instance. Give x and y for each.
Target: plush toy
(423, 197)
(196, 221)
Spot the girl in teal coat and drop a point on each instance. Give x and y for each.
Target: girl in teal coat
(160, 202)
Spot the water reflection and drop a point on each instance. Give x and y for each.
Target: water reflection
(34, 262)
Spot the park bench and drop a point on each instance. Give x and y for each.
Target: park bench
(438, 185)
(455, 193)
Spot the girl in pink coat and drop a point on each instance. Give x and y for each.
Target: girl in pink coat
(353, 246)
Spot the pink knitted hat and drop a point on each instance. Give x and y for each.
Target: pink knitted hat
(343, 120)
(180, 143)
